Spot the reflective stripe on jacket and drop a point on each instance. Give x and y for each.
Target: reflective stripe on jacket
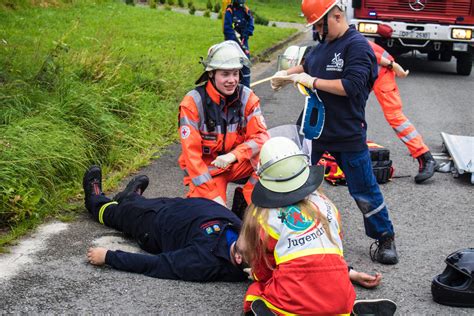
(215, 126)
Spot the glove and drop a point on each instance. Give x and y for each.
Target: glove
(219, 200)
(399, 71)
(223, 161)
(305, 79)
(279, 80)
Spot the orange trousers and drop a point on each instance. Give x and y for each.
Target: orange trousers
(234, 172)
(388, 95)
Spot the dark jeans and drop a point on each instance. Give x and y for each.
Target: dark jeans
(365, 190)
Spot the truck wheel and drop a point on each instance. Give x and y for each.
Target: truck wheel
(433, 56)
(464, 64)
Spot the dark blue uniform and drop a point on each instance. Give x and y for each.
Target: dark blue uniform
(187, 237)
(239, 19)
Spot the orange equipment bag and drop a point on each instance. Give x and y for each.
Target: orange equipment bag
(381, 165)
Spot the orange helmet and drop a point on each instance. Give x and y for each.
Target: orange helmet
(315, 10)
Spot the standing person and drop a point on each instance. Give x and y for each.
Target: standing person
(238, 27)
(343, 70)
(388, 95)
(221, 128)
(291, 237)
(188, 239)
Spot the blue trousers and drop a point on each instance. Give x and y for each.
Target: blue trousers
(245, 76)
(364, 189)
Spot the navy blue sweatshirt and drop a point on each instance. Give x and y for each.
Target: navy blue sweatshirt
(191, 235)
(350, 59)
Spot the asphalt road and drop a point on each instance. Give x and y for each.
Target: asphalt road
(48, 272)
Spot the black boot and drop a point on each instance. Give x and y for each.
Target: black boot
(239, 205)
(427, 167)
(92, 184)
(385, 251)
(137, 185)
(260, 309)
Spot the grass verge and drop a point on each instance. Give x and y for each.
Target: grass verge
(83, 84)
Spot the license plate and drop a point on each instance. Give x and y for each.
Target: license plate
(414, 34)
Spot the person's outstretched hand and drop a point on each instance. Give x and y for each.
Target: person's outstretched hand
(96, 256)
(280, 79)
(399, 71)
(364, 279)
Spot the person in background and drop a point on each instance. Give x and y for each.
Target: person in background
(238, 27)
(388, 96)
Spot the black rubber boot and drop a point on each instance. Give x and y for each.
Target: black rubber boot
(239, 205)
(427, 167)
(385, 251)
(260, 309)
(137, 185)
(92, 184)
(379, 307)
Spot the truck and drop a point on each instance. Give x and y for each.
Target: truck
(439, 28)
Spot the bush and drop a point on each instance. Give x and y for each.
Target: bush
(192, 9)
(162, 1)
(260, 19)
(217, 7)
(219, 16)
(168, 7)
(129, 2)
(181, 3)
(207, 14)
(170, 2)
(190, 4)
(152, 4)
(209, 5)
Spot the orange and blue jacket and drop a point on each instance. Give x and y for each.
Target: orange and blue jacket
(210, 125)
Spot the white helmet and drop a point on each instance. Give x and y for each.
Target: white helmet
(292, 57)
(285, 176)
(225, 56)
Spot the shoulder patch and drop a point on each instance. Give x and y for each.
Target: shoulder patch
(185, 132)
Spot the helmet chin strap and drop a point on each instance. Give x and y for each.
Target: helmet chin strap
(322, 38)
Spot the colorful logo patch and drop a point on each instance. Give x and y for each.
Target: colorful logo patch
(216, 228)
(294, 219)
(209, 230)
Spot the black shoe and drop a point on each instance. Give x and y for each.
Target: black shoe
(92, 184)
(385, 251)
(137, 185)
(239, 205)
(428, 166)
(378, 307)
(260, 309)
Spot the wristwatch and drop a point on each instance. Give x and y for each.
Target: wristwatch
(390, 65)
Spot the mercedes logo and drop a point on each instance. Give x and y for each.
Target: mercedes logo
(417, 5)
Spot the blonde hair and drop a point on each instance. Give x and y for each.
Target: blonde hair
(255, 238)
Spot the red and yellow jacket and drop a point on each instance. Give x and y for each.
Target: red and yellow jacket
(308, 274)
(210, 125)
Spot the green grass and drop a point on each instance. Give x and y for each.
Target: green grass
(273, 10)
(84, 84)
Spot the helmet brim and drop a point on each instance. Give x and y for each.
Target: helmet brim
(263, 197)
